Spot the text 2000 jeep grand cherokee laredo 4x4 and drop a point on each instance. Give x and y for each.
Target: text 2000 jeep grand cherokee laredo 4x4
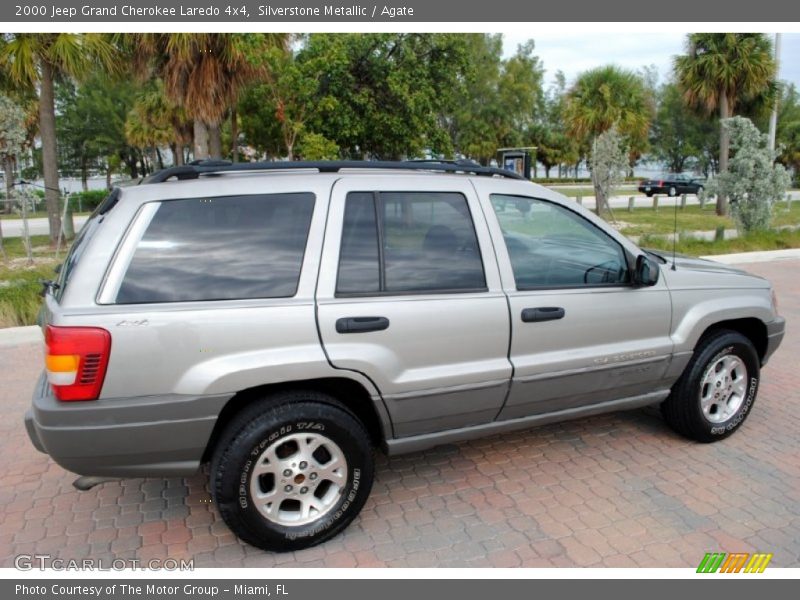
(280, 320)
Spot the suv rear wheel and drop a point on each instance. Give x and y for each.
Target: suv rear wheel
(716, 391)
(291, 471)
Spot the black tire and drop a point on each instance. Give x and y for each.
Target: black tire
(649, 194)
(672, 192)
(682, 410)
(263, 424)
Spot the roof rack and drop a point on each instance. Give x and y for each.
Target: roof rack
(211, 167)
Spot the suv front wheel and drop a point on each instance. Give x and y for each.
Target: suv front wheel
(291, 471)
(716, 391)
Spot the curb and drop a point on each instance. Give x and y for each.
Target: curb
(16, 336)
(742, 258)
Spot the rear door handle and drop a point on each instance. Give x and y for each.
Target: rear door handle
(361, 324)
(542, 313)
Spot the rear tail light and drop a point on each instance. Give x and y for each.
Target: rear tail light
(76, 360)
(660, 184)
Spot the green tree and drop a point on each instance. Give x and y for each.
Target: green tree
(554, 146)
(390, 91)
(499, 101)
(679, 137)
(788, 131)
(723, 72)
(315, 146)
(203, 73)
(474, 125)
(91, 123)
(12, 140)
(154, 121)
(608, 97)
(753, 181)
(290, 94)
(33, 61)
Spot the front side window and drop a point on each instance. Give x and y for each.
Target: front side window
(551, 246)
(223, 248)
(402, 242)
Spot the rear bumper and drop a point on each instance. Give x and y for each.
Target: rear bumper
(123, 437)
(775, 331)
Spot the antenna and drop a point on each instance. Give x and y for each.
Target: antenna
(675, 233)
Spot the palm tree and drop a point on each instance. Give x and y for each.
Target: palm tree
(156, 121)
(33, 61)
(722, 71)
(203, 73)
(610, 96)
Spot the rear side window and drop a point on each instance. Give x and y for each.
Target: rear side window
(408, 242)
(82, 240)
(223, 248)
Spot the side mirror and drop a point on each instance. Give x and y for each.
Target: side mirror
(647, 271)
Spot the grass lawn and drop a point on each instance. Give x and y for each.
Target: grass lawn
(766, 240)
(20, 284)
(644, 220)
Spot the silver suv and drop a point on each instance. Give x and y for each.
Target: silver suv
(280, 320)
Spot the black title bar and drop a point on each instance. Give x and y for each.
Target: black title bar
(402, 11)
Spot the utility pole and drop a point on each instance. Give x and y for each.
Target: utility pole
(773, 119)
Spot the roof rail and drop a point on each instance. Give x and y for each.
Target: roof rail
(211, 167)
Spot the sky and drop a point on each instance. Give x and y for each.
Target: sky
(574, 53)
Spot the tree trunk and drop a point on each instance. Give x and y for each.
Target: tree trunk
(108, 177)
(724, 149)
(160, 158)
(200, 140)
(8, 172)
(177, 154)
(47, 131)
(235, 134)
(214, 141)
(84, 175)
(69, 222)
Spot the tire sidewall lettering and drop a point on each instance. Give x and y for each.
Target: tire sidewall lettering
(752, 389)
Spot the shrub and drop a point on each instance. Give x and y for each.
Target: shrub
(88, 200)
(753, 181)
(19, 296)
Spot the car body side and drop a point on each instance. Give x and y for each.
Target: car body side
(178, 371)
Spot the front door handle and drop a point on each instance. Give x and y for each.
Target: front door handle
(542, 313)
(361, 324)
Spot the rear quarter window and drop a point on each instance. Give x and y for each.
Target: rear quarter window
(221, 248)
(82, 240)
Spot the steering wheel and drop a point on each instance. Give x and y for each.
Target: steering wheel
(608, 267)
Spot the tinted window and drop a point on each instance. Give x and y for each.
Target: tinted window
(419, 242)
(220, 249)
(359, 269)
(82, 240)
(551, 246)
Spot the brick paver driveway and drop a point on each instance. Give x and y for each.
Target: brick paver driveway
(615, 490)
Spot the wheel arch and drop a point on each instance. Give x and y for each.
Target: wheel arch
(750, 327)
(348, 392)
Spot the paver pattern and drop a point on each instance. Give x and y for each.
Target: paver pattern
(618, 490)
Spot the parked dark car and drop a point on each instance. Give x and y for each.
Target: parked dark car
(672, 184)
